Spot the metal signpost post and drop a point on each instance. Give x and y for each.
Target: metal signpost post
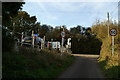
(113, 32)
(112, 45)
(63, 35)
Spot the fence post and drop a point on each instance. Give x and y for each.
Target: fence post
(44, 42)
(32, 38)
(21, 38)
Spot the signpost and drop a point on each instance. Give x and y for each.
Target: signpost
(113, 32)
(63, 35)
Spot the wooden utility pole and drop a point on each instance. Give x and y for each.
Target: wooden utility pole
(108, 23)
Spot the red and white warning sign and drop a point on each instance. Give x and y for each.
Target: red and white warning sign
(113, 32)
(63, 34)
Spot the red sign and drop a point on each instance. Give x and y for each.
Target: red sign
(113, 32)
(35, 37)
(63, 34)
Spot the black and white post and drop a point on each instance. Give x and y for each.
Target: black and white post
(113, 33)
(112, 45)
(63, 35)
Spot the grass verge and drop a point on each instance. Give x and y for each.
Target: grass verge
(109, 71)
(30, 63)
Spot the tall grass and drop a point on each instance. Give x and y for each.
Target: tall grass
(30, 63)
(108, 62)
(109, 71)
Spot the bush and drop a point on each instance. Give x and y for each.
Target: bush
(30, 63)
(109, 71)
(7, 41)
(89, 45)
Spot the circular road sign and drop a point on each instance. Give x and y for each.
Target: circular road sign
(63, 34)
(113, 32)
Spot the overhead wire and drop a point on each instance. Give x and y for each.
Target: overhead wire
(113, 11)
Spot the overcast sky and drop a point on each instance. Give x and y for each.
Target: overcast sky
(71, 13)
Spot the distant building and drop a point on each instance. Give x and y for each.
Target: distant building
(68, 43)
(54, 45)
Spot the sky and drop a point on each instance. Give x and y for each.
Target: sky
(71, 14)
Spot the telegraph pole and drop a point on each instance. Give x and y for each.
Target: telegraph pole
(108, 23)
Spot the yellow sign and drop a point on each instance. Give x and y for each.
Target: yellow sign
(28, 40)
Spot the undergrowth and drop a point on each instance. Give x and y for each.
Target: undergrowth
(30, 63)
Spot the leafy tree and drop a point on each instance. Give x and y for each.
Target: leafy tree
(37, 28)
(101, 32)
(44, 29)
(88, 32)
(9, 10)
(85, 45)
(84, 41)
(74, 30)
(55, 34)
(24, 23)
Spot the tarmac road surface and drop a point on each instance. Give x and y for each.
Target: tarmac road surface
(85, 66)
